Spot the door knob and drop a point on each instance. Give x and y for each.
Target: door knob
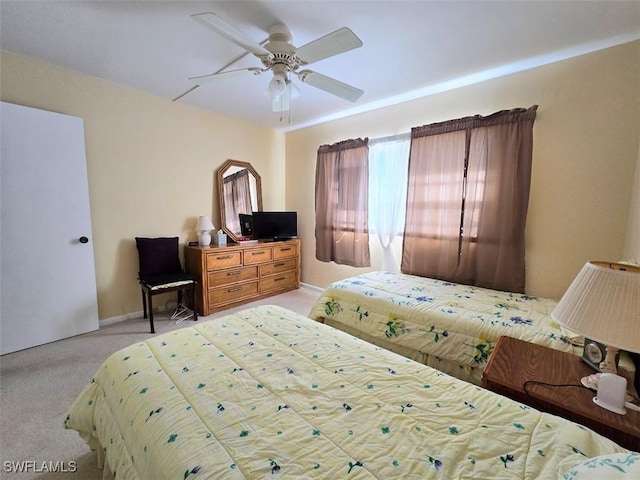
(83, 240)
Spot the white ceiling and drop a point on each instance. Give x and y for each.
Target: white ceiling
(411, 48)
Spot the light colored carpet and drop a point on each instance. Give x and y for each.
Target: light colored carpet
(37, 386)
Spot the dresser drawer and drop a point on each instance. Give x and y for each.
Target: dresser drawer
(231, 275)
(278, 267)
(219, 260)
(285, 251)
(258, 255)
(278, 282)
(232, 292)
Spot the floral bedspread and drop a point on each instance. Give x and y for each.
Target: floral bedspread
(267, 393)
(458, 323)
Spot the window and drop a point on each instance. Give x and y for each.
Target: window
(467, 199)
(342, 176)
(464, 183)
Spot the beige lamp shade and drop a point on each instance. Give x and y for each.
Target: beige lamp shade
(603, 304)
(204, 224)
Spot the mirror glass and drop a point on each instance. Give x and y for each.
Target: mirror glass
(240, 192)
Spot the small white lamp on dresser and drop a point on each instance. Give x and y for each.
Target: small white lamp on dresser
(203, 227)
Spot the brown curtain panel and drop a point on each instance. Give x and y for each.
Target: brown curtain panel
(342, 190)
(467, 199)
(237, 198)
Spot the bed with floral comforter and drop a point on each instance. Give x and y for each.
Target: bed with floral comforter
(267, 393)
(446, 325)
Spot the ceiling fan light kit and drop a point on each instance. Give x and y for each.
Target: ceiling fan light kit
(282, 58)
(277, 85)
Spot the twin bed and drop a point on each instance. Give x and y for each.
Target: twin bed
(449, 326)
(267, 393)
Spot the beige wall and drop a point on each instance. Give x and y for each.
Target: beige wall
(151, 164)
(632, 245)
(586, 139)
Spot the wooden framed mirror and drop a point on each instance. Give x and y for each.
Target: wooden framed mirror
(239, 192)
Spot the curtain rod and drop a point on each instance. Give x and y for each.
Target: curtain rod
(390, 138)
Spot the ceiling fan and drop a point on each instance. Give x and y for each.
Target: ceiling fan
(281, 57)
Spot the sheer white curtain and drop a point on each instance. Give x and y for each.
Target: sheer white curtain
(388, 167)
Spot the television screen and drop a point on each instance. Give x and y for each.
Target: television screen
(275, 225)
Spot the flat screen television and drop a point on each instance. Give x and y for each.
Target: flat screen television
(275, 225)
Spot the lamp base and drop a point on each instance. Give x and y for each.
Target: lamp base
(204, 239)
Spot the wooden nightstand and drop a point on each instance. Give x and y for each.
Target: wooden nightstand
(513, 362)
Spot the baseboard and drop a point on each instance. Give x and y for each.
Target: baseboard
(121, 318)
(168, 306)
(312, 287)
(139, 313)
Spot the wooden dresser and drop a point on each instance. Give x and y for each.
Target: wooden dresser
(240, 273)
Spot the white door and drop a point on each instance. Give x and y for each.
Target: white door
(48, 286)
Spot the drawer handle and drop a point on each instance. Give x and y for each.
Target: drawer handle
(229, 274)
(279, 264)
(279, 279)
(224, 257)
(285, 249)
(257, 253)
(237, 289)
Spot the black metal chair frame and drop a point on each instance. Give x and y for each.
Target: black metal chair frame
(151, 286)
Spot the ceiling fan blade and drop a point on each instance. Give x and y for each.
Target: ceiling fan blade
(230, 73)
(334, 43)
(330, 85)
(228, 31)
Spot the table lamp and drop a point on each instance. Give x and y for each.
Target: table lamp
(603, 304)
(203, 227)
